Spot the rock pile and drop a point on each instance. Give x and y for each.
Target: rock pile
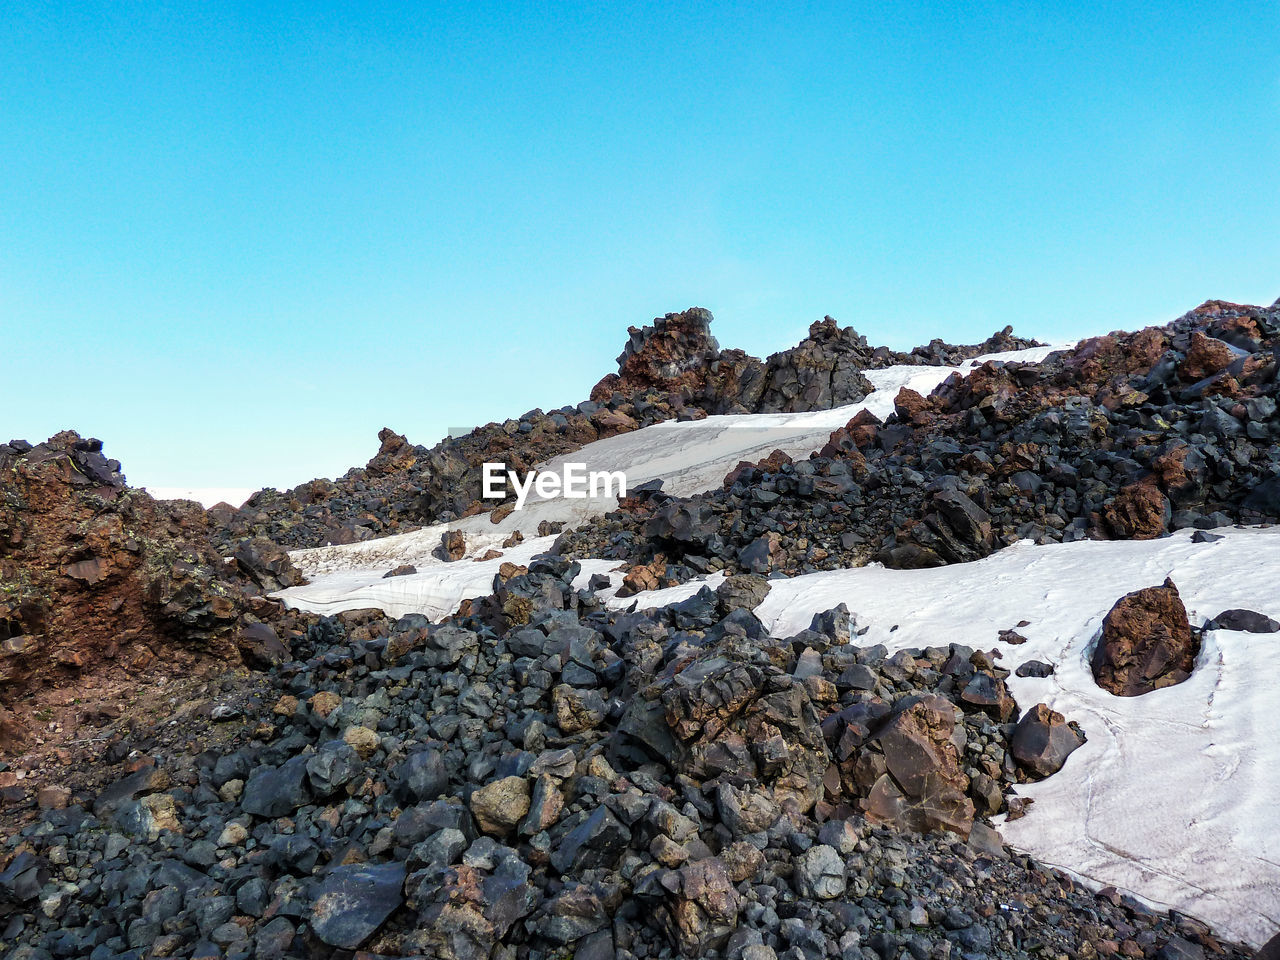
(1114, 439)
(538, 777)
(98, 580)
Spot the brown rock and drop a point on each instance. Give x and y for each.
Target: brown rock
(1205, 357)
(672, 354)
(1138, 512)
(500, 805)
(702, 909)
(924, 786)
(1146, 643)
(324, 703)
(364, 741)
(577, 710)
(643, 576)
(53, 797)
(111, 581)
(912, 408)
(453, 545)
(394, 454)
(1042, 741)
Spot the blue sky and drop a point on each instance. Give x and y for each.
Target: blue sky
(236, 240)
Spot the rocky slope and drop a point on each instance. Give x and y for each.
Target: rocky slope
(101, 586)
(671, 369)
(537, 777)
(1125, 436)
(541, 776)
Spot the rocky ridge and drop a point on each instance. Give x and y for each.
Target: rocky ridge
(1125, 436)
(672, 369)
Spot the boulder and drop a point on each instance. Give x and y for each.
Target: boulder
(500, 805)
(1247, 621)
(923, 786)
(744, 591)
(1138, 512)
(820, 873)
(277, 791)
(700, 910)
(1146, 643)
(1042, 741)
(355, 900)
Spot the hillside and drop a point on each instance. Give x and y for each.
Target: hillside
(962, 652)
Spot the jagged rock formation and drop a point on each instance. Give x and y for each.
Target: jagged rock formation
(670, 369)
(1126, 436)
(98, 579)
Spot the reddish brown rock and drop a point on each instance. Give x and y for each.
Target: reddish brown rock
(394, 454)
(1043, 740)
(1205, 357)
(104, 582)
(912, 408)
(859, 433)
(701, 910)
(643, 576)
(923, 787)
(1138, 512)
(1146, 643)
(672, 354)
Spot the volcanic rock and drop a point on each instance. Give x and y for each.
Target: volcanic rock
(1146, 643)
(1043, 740)
(500, 805)
(1248, 621)
(355, 900)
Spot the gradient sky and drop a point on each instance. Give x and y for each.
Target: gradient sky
(236, 240)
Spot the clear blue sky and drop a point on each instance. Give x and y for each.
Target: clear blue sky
(236, 240)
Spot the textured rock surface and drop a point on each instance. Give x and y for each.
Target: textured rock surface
(1146, 643)
(100, 581)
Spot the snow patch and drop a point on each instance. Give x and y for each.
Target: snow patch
(1173, 798)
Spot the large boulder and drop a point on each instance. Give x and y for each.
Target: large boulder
(1043, 740)
(1138, 512)
(1146, 643)
(923, 786)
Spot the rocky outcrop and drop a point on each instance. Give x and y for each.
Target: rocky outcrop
(1107, 440)
(1146, 643)
(672, 355)
(98, 579)
(670, 369)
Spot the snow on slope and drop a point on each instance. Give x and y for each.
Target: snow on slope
(688, 457)
(1174, 797)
